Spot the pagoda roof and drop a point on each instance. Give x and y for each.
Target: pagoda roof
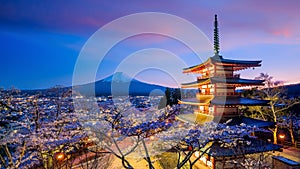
(220, 59)
(256, 146)
(201, 118)
(193, 118)
(217, 59)
(213, 80)
(250, 122)
(226, 100)
(193, 101)
(237, 100)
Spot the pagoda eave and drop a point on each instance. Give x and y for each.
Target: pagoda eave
(235, 64)
(198, 67)
(194, 103)
(198, 118)
(237, 100)
(237, 82)
(238, 68)
(250, 122)
(225, 101)
(220, 59)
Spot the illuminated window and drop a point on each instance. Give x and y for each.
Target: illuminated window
(201, 108)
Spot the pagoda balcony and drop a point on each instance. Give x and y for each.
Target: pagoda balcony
(198, 111)
(209, 94)
(206, 93)
(209, 113)
(199, 78)
(227, 75)
(226, 94)
(204, 97)
(219, 113)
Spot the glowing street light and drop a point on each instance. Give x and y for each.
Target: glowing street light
(59, 156)
(281, 136)
(152, 137)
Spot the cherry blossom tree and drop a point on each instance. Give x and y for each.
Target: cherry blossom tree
(127, 132)
(50, 133)
(14, 138)
(279, 104)
(33, 132)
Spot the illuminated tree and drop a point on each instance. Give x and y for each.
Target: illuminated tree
(51, 134)
(148, 133)
(15, 151)
(33, 132)
(279, 104)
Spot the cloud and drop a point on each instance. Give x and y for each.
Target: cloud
(85, 17)
(64, 25)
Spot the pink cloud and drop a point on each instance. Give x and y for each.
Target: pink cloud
(282, 32)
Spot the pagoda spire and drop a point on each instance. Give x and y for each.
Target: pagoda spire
(216, 36)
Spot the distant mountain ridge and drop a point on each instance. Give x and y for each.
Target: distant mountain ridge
(293, 90)
(120, 84)
(120, 81)
(118, 77)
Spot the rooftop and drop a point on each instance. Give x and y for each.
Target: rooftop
(219, 60)
(256, 146)
(227, 100)
(213, 80)
(250, 122)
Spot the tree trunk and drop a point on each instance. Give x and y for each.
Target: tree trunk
(292, 132)
(292, 136)
(275, 135)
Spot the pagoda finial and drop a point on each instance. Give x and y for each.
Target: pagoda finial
(216, 37)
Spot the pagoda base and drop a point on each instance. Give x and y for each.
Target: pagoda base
(198, 118)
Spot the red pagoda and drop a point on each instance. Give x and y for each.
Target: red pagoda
(217, 97)
(218, 100)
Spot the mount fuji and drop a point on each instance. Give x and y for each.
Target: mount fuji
(118, 77)
(120, 83)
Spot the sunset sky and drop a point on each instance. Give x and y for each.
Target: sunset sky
(41, 40)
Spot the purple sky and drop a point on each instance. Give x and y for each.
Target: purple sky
(41, 40)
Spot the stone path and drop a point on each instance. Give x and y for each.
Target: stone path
(291, 153)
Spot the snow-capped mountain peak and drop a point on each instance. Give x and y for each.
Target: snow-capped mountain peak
(119, 77)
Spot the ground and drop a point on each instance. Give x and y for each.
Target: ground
(166, 160)
(291, 153)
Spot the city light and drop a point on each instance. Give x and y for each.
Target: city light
(281, 136)
(197, 154)
(152, 137)
(59, 156)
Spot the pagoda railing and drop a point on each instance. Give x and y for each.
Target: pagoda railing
(226, 94)
(220, 93)
(207, 93)
(202, 111)
(228, 75)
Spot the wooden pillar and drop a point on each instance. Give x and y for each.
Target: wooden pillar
(215, 70)
(212, 159)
